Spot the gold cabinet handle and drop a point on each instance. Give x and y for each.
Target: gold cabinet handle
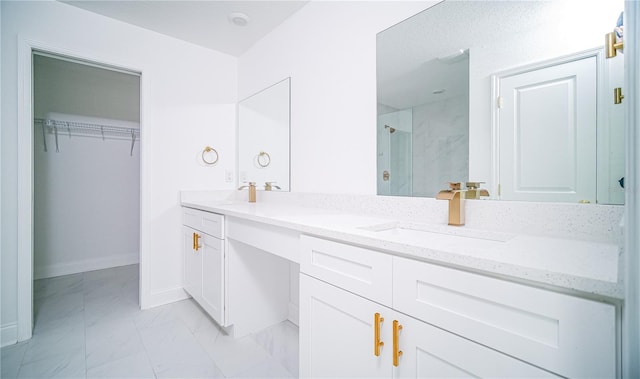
(396, 342)
(377, 344)
(193, 241)
(196, 243)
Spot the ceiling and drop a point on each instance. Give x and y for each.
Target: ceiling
(203, 22)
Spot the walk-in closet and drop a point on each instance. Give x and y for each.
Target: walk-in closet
(86, 166)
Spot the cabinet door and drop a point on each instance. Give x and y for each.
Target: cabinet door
(430, 352)
(337, 333)
(213, 276)
(192, 281)
(547, 329)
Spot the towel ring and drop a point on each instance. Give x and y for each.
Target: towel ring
(209, 150)
(264, 159)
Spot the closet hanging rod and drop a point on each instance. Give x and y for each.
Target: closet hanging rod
(86, 129)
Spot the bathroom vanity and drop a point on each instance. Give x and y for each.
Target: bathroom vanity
(382, 297)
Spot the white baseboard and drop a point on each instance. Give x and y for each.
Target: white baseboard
(9, 334)
(169, 296)
(294, 313)
(75, 267)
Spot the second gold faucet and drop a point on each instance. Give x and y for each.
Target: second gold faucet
(252, 191)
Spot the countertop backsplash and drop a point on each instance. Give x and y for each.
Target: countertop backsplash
(590, 222)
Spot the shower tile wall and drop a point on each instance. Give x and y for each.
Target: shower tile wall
(440, 145)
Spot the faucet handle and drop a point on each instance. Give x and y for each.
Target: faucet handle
(268, 186)
(250, 184)
(455, 186)
(473, 185)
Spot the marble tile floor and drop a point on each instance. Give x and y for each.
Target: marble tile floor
(89, 325)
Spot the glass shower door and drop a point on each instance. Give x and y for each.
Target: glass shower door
(394, 163)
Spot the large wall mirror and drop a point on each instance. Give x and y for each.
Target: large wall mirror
(263, 138)
(515, 94)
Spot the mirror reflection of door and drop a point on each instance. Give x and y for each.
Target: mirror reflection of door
(611, 143)
(553, 108)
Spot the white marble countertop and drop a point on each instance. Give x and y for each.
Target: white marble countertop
(568, 265)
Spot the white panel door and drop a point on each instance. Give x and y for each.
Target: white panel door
(213, 276)
(337, 333)
(547, 133)
(430, 352)
(192, 263)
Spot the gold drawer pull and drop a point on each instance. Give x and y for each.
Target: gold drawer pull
(196, 242)
(396, 342)
(377, 344)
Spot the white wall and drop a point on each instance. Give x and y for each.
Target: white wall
(87, 194)
(188, 96)
(76, 88)
(329, 51)
(263, 126)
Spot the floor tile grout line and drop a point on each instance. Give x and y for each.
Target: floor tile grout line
(89, 283)
(144, 346)
(204, 349)
(84, 321)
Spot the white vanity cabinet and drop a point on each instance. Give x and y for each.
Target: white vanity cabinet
(453, 323)
(204, 260)
(338, 336)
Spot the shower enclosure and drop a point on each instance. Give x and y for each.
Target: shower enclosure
(394, 163)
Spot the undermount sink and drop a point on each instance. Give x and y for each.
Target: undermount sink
(413, 230)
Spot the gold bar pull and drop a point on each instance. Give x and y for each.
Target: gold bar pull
(397, 353)
(611, 46)
(193, 241)
(196, 243)
(377, 344)
(617, 95)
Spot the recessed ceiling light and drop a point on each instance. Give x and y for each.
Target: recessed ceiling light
(238, 18)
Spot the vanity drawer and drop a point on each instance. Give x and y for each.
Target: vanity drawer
(361, 271)
(205, 222)
(278, 241)
(567, 335)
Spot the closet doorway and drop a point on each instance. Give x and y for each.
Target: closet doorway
(86, 167)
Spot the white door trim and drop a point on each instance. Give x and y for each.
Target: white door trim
(631, 308)
(598, 53)
(25, 174)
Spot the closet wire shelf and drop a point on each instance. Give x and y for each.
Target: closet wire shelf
(71, 128)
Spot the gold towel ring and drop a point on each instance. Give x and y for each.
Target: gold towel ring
(264, 159)
(209, 150)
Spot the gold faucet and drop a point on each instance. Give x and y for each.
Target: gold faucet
(456, 196)
(474, 191)
(268, 186)
(456, 203)
(252, 191)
